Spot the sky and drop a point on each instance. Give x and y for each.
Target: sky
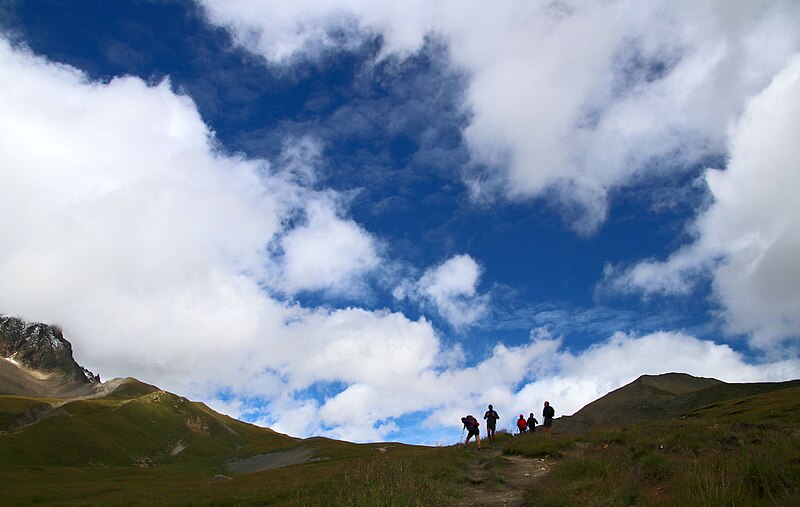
(366, 219)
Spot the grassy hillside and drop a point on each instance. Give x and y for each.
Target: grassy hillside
(143, 446)
(744, 451)
(654, 397)
(136, 425)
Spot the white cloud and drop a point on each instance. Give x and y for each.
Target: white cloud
(121, 222)
(574, 97)
(749, 238)
(523, 377)
(451, 288)
(386, 382)
(326, 253)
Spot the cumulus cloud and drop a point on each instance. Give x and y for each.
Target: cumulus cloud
(569, 99)
(326, 253)
(451, 289)
(514, 379)
(123, 223)
(749, 238)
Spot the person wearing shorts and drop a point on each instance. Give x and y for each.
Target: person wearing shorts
(491, 422)
(473, 429)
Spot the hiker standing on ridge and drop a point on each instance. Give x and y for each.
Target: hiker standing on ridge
(491, 421)
(522, 424)
(473, 428)
(532, 422)
(548, 413)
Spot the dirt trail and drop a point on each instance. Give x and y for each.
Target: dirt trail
(495, 479)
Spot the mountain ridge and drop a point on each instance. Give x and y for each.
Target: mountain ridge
(664, 396)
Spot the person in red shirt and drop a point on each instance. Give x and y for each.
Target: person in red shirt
(522, 424)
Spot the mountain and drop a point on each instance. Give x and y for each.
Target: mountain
(54, 411)
(132, 424)
(40, 348)
(654, 397)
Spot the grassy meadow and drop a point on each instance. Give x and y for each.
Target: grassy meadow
(738, 452)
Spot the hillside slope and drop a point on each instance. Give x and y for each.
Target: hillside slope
(135, 424)
(55, 412)
(740, 451)
(655, 397)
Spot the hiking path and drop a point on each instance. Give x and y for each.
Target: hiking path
(495, 479)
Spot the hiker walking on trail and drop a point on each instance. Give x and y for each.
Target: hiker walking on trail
(548, 413)
(532, 422)
(522, 424)
(491, 421)
(473, 428)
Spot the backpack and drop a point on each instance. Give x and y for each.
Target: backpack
(470, 422)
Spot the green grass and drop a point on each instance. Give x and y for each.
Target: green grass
(140, 431)
(738, 452)
(15, 410)
(115, 451)
(404, 475)
(536, 445)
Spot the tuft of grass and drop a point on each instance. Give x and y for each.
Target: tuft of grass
(537, 445)
(403, 481)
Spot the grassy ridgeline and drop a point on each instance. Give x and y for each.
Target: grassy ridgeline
(739, 452)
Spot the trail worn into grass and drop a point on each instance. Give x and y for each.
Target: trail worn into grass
(496, 479)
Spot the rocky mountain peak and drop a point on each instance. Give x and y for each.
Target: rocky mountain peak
(40, 347)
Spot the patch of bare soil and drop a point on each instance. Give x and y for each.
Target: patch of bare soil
(271, 460)
(498, 480)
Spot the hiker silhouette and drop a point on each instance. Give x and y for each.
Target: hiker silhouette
(548, 413)
(491, 422)
(473, 429)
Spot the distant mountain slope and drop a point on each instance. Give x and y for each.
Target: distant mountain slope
(652, 397)
(55, 412)
(134, 424)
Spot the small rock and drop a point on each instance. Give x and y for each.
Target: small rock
(220, 477)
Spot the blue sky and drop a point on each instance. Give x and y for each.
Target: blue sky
(362, 220)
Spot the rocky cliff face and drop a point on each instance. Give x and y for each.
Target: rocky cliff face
(40, 347)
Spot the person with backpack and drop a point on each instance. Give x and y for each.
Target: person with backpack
(491, 422)
(473, 428)
(548, 413)
(522, 425)
(532, 422)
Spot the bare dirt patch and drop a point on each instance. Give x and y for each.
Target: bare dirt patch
(498, 480)
(271, 460)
